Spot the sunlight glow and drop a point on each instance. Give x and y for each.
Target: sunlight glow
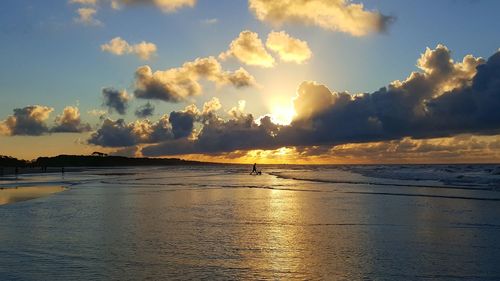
(283, 151)
(282, 115)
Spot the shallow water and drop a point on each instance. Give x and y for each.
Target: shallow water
(293, 222)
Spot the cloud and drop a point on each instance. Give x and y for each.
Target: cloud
(101, 114)
(29, 121)
(239, 110)
(288, 48)
(129, 151)
(444, 99)
(239, 78)
(119, 47)
(210, 21)
(176, 125)
(145, 110)
(249, 49)
(144, 50)
(183, 122)
(211, 106)
(69, 122)
(182, 83)
(120, 133)
(167, 6)
(84, 2)
(462, 148)
(88, 9)
(219, 136)
(438, 150)
(86, 16)
(335, 15)
(115, 100)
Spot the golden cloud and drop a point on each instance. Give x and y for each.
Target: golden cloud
(335, 15)
(249, 49)
(288, 48)
(179, 84)
(119, 47)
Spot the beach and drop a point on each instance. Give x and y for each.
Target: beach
(291, 223)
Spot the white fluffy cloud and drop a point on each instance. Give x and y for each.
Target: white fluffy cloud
(119, 47)
(288, 48)
(179, 84)
(335, 15)
(249, 49)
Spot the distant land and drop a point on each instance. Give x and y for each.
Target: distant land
(95, 160)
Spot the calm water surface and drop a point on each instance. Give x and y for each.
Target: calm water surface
(218, 222)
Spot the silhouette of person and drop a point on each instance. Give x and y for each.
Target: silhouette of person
(254, 170)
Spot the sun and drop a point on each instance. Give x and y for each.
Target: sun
(282, 115)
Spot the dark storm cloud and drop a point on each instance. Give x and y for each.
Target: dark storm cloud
(115, 100)
(145, 111)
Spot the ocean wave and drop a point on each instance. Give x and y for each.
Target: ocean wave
(376, 183)
(424, 195)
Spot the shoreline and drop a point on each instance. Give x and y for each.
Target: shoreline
(10, 195)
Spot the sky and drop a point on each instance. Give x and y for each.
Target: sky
(281, 81)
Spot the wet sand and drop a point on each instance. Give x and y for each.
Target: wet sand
(16, 194)
(11, 171)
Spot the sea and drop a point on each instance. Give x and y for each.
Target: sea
(293, 222)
